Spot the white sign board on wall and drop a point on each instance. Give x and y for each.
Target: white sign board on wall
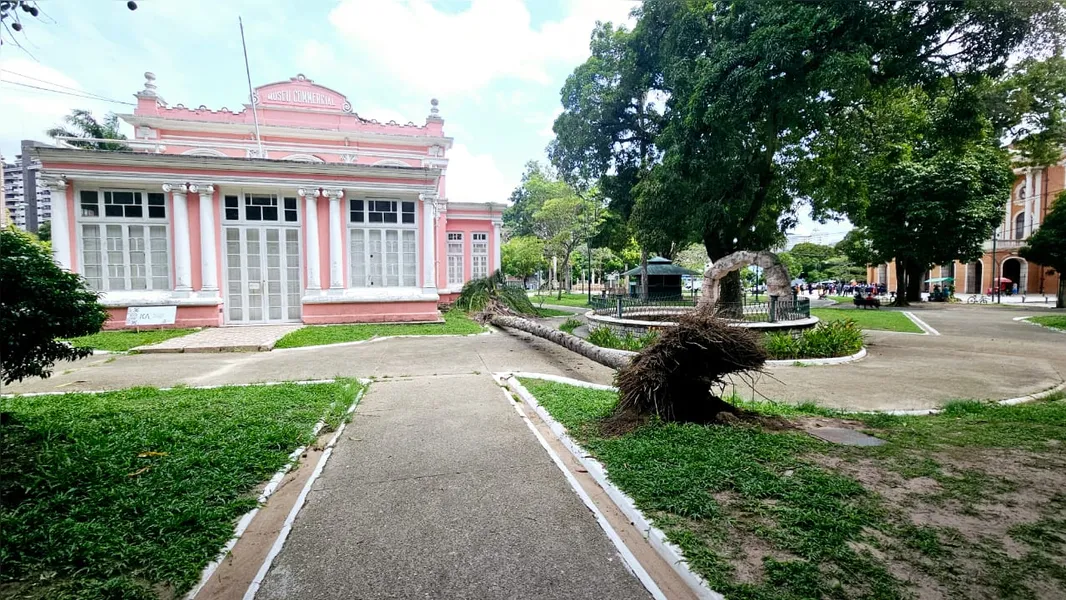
(137, 316)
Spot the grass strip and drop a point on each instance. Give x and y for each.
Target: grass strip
(1052, 321)
(885, 320)
(129, 494)
(122, 341)
(455, 323)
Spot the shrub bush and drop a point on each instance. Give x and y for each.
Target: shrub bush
(828, 339)
(40, 304)
(570, 325)
(605, 337)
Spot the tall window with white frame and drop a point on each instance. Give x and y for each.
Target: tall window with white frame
(479, 255)
(382, 239)
(455, 258)
(124, 239)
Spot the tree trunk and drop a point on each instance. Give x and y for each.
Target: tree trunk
(914, 282)
(1060, 301)
(731, 296)
(643, 274)
(901, 283)
(616, 359)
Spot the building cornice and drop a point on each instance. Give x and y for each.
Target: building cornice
(293, 132)
(298, 169)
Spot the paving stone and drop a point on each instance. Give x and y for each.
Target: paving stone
(844, 436)
(258, 338)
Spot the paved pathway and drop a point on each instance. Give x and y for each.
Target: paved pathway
(982, 354)
(254, 338)
(438, 490)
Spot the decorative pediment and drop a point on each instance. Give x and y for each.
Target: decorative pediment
(300, 93)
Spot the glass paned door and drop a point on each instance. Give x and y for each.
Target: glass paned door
(263, 274)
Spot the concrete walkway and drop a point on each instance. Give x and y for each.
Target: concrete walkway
(437, 489)
(254, 338)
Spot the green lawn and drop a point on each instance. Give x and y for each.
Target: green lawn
(1054, 321)
(888, 320)
(121, 341)
(578, 300)
(776, 514)
(455, 323)
(130, 494)
(552, 312)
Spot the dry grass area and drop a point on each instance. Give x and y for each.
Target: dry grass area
(970, 503)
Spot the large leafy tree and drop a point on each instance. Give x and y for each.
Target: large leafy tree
(1047, 246)
(40, 305)
(750, 84)
(522, 256)
(82, 124)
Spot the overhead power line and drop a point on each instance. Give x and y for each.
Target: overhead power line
(88, 96)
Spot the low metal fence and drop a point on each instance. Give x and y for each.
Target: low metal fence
(773, 310)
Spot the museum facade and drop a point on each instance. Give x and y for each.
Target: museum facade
(299, 211)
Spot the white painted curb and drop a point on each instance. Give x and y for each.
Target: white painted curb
(920, 323)
(275, 549)
(630, 561)
(655, 536)
(810, 362)
(1007, 402)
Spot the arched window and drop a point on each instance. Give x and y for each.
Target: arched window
(203, 152)
(1019, 226)
(303, 158)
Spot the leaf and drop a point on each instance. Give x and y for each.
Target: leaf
(139, 471)
(151, 453)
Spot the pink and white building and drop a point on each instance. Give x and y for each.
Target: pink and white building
(314, 214)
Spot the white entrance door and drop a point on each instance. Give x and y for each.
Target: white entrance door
(262, 274)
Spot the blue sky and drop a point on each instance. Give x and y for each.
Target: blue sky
(495, 65)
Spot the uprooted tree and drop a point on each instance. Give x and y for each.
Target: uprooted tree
(672, 379)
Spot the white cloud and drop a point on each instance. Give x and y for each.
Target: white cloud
(447, 53)
(475, 177)
(29, 112)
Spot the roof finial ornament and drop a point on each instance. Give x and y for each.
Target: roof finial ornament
(149, 84)
(434, 113)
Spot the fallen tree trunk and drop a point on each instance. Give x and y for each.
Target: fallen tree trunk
(615, 359)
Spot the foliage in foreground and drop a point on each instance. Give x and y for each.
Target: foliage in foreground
(455, 323)
(828, 339)
(760, 515)
(122, 341)
(40, 304)
(672, 378)
(130, 494)
(493, 294)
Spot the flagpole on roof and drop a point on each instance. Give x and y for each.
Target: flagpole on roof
(251, 94)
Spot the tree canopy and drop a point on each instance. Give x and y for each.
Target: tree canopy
(82, 124)
(709, 121)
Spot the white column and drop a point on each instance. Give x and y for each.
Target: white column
(60, 224)
(208, 255)
(497, 254)
(336, 241)
(429, 245)
(314, 281)
(1037, 200)
(182, 250)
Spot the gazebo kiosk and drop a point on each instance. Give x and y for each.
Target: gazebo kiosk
(664, 279)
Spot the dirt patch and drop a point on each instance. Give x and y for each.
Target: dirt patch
(953, 529)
